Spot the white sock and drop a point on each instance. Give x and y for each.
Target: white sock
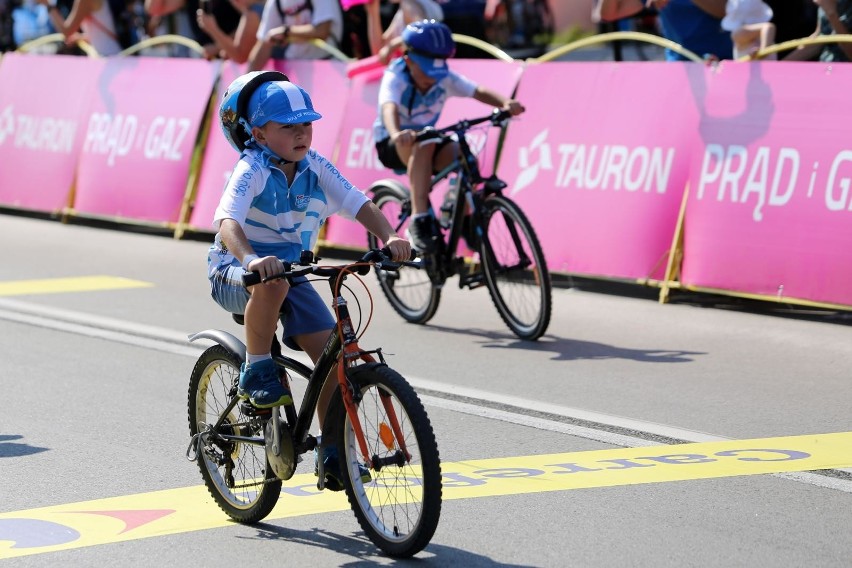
(252, 359)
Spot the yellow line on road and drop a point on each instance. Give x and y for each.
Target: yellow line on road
(63, 285)
(187, 509)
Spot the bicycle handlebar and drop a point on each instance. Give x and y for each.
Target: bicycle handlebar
(374, 257)
(496, 117)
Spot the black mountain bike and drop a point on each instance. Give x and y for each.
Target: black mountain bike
(510, 260)
(375, 420)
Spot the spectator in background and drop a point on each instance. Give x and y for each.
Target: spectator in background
(30, 21)
(386, 43)
(793, 19)
(93, 17)
(749, 22)
(237, 45)
(694, 24)
(167, 19)
(182, 16)
(291, 25)
(834, 18)
(465, 17)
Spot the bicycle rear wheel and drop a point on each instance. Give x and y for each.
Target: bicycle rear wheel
(400, 507)
(410, 292)
(515, 269)
(236, 473)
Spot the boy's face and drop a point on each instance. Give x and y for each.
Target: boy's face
(421, 80)
(290, 141)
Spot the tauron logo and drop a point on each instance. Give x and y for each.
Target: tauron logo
(529, 168)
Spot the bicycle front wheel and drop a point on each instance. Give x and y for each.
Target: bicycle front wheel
(515, 269)
(399, 507)
(236, 473)
(410, 292)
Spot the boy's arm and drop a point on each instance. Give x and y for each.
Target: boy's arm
(390, 118)
(492, 98)
(372, 218)
(235, 239)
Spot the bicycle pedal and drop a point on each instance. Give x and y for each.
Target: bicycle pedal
(248, 409)
(472, 281)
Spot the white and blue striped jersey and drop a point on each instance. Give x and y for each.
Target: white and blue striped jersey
(279, 219)
(417, 110)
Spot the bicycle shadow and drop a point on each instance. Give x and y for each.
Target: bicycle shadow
(571, 349)
(364, 553)
(9, 449)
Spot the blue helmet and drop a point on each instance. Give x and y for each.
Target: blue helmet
(256, 98)
(429, 38)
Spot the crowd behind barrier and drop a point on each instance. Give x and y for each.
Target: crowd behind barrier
(732, 178)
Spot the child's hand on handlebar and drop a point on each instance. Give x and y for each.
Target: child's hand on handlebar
(404, 138)
(266, 266)
(514, 106)
(400, 249)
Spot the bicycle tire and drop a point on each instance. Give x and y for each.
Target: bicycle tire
(399, 508)
(521, 292)
(244, 487)
(410, 292)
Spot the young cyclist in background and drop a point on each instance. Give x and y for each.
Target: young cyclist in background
(412, 94)
(278, 196)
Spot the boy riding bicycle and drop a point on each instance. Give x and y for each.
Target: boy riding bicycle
(412, 94)
(278, 196)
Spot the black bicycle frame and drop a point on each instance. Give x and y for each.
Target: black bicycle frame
(321, 372)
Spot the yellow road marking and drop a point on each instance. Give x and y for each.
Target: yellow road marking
(74, 284)
(187, 509)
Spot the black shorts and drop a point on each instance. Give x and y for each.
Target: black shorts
(389, 157)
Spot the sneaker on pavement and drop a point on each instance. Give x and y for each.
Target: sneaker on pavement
(332, 471)
(260, 384)
(421, 233)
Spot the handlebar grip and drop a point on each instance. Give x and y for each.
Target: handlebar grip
(251, 278)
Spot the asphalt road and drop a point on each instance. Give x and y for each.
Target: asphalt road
(634, 433)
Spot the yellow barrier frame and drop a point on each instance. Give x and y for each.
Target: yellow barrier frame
(56, 38)
(616, 36)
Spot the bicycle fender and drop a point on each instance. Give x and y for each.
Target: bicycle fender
(390, 183)
(223, 338)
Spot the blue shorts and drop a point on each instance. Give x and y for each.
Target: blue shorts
(303, 311)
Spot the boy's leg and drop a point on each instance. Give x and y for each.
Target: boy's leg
(261, 315)
(420, 176)
(259, 380)
(313, 344)
(421, 229)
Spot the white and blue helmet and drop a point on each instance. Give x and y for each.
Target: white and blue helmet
(259, 97)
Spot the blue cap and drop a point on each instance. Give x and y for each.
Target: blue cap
(433, 67)
(281, 101)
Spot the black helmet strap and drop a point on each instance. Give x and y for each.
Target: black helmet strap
(243, 101)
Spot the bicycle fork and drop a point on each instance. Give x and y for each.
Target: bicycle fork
(351, 354)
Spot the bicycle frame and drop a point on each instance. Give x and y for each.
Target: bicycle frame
(466, 166)
(341, 349)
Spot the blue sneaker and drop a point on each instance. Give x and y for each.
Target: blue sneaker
(260, 384)
(332, 471)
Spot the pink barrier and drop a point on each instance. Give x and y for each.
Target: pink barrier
(599, 162)
(43, 117)
(357, 159)
(324, 81)
(143, 121)
(769, 208)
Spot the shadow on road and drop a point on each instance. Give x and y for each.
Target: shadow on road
(364, 553)
(570, 349)
(9, 449)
